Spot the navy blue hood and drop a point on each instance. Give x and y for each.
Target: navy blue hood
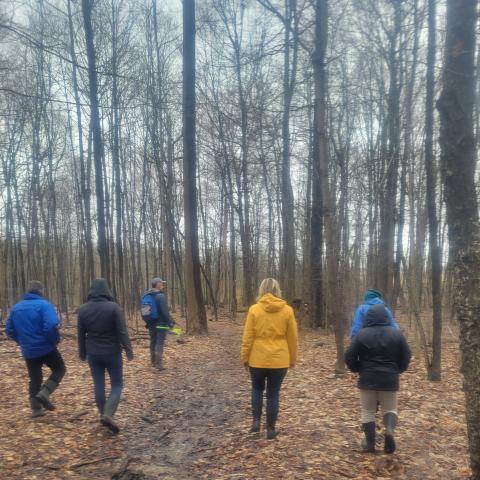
(377, 316)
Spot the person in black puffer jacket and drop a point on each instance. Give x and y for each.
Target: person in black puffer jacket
(379, 353)
(101, 336)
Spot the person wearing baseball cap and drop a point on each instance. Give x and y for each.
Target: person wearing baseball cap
(157, 319)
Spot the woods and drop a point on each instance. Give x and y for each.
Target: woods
(330, 144)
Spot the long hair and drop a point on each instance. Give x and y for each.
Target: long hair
(269, 285)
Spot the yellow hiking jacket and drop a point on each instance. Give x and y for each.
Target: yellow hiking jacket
(270, 336)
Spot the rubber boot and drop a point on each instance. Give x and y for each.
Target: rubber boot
(368, 443)
(43, 396)
(271, 431)
(158, 364)
(109, 410)
(255, 423)
(390, 420)
(37, 410)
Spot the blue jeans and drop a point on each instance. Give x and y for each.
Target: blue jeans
(157, 341)
(273, 377)
(112, 363)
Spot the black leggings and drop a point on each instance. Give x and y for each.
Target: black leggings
(53, 361)
(273, 377)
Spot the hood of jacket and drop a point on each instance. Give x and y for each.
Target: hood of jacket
(377, 316)
(99, 290)
(270, 303)
(375, 301)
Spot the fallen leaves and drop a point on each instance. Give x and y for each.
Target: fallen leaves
(192, 420)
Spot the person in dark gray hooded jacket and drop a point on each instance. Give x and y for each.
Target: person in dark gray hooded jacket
(102, 334)
(379, 353)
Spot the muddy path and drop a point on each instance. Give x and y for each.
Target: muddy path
(196, 401)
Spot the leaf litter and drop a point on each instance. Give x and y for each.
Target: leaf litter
(191, 420)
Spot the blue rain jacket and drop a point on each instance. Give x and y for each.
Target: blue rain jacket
(33, 324)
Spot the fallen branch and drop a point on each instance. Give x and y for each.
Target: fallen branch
(147, 419)
(164, 434)
(91, 462)
(122, 469)
(51, 467)
(206, 449)
(78, 415)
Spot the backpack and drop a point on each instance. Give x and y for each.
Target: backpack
(148, 308)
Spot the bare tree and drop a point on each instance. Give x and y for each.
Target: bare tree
(458, 168)
(196, 316)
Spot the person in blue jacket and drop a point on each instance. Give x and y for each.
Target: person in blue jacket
(33, 324)
(160, 323)
(372, 297)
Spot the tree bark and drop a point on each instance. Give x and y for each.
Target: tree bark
(434, 372)
(97, 138)
(196, 315)
(458, 167)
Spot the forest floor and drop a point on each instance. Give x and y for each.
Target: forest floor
(191, 421)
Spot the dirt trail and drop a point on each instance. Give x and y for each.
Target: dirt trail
(198, 396)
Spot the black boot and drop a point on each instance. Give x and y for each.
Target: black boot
(158, 362)
(43, 396)
(255, 424)
(152, 357)
(37, 410)
(368, 443)
(271, 431)
(108, 411)
(390, 420)
(257, 407)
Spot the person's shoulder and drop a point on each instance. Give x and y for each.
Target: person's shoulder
(396, 333)
(43, 303)
(253, 308)
(115, 306)
(17, 305)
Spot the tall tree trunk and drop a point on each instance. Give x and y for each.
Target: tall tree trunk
(196, 315)
(97, 138)
(388, 216)
(84, 170)
(287, 264)
(458, 167)
(434, 372)
(334, 310)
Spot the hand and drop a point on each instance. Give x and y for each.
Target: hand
(292, 365)
(245, 366)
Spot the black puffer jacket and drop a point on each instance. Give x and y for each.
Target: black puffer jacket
(380, 353)
(101, 326)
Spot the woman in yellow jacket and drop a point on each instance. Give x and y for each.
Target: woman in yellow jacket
(269, 349)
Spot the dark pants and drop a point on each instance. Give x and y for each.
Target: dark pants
(157, 341)
(273, 378)
(53, 361)
(112, 363)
